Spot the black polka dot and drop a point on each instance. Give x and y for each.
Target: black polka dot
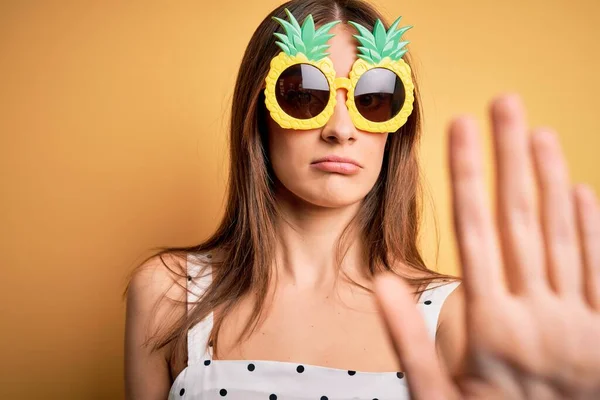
(251, 367)
(273, 397)
(207, 362)
(400, 375)
(428, 302)
(300, 369)
(324, 398)
(182, 392)
(189, 278)
(223, 392)
(351, 373)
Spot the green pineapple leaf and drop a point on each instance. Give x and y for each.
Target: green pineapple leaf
(394, 25)
(388, 49)
(304, 39)
(391, 34)
(283, 47)
(396, 35)
(290, 30)
(283, 39)
(320, 48)
(321, 40)
(379, 44)
(380, 35)
(363, 50)
(365, 42)
(299, 44)
(375, 56)
(363, 32)
(366, 58)
(308, 31)
(324, 30)
(293, 20)
(400, 53)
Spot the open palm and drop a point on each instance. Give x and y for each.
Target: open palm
(531, 276)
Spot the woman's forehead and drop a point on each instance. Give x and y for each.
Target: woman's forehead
(343, 49)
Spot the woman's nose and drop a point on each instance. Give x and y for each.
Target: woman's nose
(340, 127)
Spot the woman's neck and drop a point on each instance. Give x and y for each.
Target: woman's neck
(307, 244)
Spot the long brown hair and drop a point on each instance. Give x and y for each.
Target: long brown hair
(389, 216)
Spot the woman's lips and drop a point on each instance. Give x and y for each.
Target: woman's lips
(338, 165)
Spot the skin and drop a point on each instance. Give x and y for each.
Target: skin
(522, 325)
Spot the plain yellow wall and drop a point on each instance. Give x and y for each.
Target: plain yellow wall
(112, 140)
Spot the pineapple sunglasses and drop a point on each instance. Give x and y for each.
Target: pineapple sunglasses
(301, 86)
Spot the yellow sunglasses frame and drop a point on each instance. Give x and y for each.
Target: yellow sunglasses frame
(283, 61)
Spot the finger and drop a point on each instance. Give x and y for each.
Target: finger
(557, 215)
(588, 221)
(407, 330)
(518, 223)
(475, 231)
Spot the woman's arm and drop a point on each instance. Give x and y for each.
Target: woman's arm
(147, 374)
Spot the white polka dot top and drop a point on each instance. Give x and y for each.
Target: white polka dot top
(208, 379)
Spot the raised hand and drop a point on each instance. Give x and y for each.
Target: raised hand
(531, 277)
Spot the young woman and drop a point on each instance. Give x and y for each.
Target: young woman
(285, 300)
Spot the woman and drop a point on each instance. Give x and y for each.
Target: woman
(284, 300)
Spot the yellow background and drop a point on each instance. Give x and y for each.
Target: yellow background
(112, 140)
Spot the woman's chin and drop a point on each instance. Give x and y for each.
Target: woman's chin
(335, 199)
(330, 194)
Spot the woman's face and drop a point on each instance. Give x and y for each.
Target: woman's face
(296, 155)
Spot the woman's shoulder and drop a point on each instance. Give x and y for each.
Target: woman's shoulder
(163, 285)
(161, 272)
(155, 301)
(156, 293)
(158, 276)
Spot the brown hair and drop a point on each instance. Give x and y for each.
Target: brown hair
(389, 217)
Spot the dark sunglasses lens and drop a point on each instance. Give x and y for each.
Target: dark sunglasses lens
(379, 95)
(302, 91)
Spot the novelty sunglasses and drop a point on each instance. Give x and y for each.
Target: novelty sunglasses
(301, 85)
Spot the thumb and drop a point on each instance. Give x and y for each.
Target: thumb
(415, 350)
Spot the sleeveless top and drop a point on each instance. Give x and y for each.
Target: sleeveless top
(208, 379)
